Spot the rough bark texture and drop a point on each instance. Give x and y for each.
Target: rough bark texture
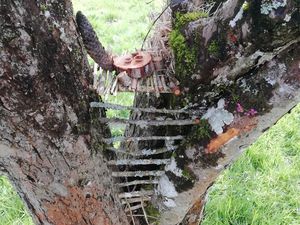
(50, 139)
(244, 63)
(246, 53)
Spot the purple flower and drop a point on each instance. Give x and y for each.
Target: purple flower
(239, 108)
(251, 112)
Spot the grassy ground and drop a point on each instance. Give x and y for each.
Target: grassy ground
(261, 188)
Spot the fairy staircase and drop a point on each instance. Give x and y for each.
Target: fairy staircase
(139, 164)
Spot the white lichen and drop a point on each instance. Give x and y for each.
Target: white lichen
(166, 188)
(238, 17)
(287, 17)
(218, 117)
(47, 14)
(268, 6)
(169, 203)
(172, 167)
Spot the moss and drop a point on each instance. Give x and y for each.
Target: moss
(43, 7)
(246, 6)
(185, 56)
(187, 174)
(153, 213)
(199, 132)
(184, 18)
(214, 49)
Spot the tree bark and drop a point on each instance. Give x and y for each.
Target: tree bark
(50, 139)
(239, 67)
(244, 57)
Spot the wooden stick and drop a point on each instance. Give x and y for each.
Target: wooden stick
(134, 200)
(151, 84)
(144, 211)
(135, 194)
(152, 138)
(159, 83)
(95, 76)
(131, 215)
(144, 123)
(137, 182)
(156, 173)
(163, 81)
(113, 86)
(144, 152)
(155, 85)
(133, 208)
(147, 85)
(147, 110)
(133, 162)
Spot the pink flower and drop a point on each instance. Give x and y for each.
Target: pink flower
(239, 108)
(251, 112)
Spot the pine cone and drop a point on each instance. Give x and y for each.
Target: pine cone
(92, 44)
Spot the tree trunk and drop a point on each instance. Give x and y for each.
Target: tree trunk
(50, 139)
(240, 66)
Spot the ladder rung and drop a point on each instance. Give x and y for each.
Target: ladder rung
(137, 182)
(148, 110)
(156, 173)
(132, 208)
(139, 162)
(134, 200)
(135, 194)
(149, 122)
(144, 152)
(122, 138)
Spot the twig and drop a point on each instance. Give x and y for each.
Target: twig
(140, 215)
(144, 123)
(144, 211)
(155, 84)
(134, 200)
(144, 152)
(137, 182)
(152, 138)
(131, 162)
(133, 208)
(147, 110)
(153, 25)
(135, 194)
(129, 207)
(156, 173)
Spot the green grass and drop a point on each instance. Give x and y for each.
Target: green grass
(262, 187)
(12, 211)
(120, 25)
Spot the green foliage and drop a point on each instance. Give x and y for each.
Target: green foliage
(246, 6)
(186, 174)
(184, 18)
(185, 56)
(199, 132)
(214, 49)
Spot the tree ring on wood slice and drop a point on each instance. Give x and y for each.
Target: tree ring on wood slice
(134, 64)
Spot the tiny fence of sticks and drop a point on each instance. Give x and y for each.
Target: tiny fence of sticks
(137, 171)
